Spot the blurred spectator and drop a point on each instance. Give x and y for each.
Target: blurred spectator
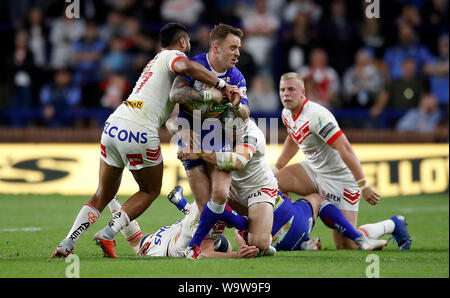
(339, 36)
(187, 12)
(145, 50)
(362, 82)
(38, 42)
(58, 97)
(87, 54)
(113, 26)
(200, 40)
(437, 70)
(21, 70)
(435, 17)
(260, 29)
(308, 7)
(131, 33)
(423, 118)
(63, 34)
(408, 46)
(116, 59)
(262, 96)
(401, 93)
(115, 90)
(410, 15)
(323, 80)
(149, 11)
(246, 64)
(299, 41)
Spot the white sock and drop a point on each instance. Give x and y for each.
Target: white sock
(376, 230)
(131, 231)
(87, 216)
(120, 220)
(218, 209)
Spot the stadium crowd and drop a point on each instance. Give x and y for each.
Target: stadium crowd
(70, 63)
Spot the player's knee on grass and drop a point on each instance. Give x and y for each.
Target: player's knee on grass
(342, 242)
(261, 240)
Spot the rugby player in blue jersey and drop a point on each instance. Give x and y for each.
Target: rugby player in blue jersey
(210, 185)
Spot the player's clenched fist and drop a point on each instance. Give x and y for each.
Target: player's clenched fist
(370, 195)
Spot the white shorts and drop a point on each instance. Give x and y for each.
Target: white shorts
(247, 198)
(342, 191)
(127, 144)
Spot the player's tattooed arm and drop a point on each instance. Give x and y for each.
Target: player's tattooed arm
(181, 92)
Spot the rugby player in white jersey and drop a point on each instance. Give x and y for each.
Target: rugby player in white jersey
(332, 169)
(172, 241)
(253, 185)
(130, 139)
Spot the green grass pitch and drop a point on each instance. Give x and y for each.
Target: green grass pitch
(31, 226)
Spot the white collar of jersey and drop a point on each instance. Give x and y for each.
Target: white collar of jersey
(218, 74)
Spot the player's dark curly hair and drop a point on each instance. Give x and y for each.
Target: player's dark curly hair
(171, 33)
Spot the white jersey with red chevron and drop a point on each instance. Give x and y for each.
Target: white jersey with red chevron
(254, 183)
(148, 104)
(314, 129)
(256, 172)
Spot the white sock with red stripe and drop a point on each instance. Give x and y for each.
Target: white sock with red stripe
(132, 231)
(87, 216)
(376, 230)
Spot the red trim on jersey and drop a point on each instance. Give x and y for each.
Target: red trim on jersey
(334, 137)
(285, 122)
(103, 150)
(135, 235)
(301, 109)
(249, 147)
(175, 60)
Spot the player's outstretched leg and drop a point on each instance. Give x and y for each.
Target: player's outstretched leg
(149, 180)
(176, 197)
(400, 232)
(333, 218)
(132, 233)
(395, 225)
(109, 182)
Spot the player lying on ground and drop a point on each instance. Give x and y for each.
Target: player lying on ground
(293, 222)
(172, 241)
(130, 139)
(332, 168)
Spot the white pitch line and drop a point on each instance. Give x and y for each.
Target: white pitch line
(27, 229)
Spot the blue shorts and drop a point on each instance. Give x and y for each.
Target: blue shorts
(301, 223)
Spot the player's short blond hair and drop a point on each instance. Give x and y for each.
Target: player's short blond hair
(293, 75)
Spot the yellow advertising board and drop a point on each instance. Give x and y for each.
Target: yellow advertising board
(73, 168)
